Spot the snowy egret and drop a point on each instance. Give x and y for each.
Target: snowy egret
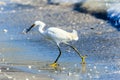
(57, 36)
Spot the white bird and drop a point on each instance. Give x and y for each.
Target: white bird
(57, 36)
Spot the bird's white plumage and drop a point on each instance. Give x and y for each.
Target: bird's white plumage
(56, 35)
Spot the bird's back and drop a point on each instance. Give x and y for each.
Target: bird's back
(58, 35)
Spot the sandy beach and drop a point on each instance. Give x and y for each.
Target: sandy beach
(27, 56)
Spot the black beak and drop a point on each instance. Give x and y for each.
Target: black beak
(27, 30)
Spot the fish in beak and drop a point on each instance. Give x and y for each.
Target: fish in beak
(27, 30)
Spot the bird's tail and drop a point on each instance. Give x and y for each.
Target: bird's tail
(75, 35)
(74, 32)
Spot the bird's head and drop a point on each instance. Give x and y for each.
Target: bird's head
(36, 23)
(39, 23)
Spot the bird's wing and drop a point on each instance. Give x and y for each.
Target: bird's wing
(57, 34)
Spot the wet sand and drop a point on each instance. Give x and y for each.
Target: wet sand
(26, 57)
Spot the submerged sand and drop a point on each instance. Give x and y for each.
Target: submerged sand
(24, 57)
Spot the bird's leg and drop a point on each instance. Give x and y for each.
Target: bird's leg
(82, 57)
(55, 65)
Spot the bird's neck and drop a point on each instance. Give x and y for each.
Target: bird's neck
(41, 29)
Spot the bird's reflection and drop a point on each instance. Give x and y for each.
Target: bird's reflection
(83, 68)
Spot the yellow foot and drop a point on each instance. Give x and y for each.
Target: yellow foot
(83, 59)
(54, 65)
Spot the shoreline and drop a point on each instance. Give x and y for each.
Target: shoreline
(25, 55)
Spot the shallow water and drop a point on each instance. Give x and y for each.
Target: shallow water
(29, 54)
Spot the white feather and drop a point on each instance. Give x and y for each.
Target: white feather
(56, 35)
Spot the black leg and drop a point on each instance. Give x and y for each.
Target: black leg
(59, 54)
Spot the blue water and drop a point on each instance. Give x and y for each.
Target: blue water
(31, 53)
(114, 15)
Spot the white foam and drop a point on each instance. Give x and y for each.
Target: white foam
(5, 30)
